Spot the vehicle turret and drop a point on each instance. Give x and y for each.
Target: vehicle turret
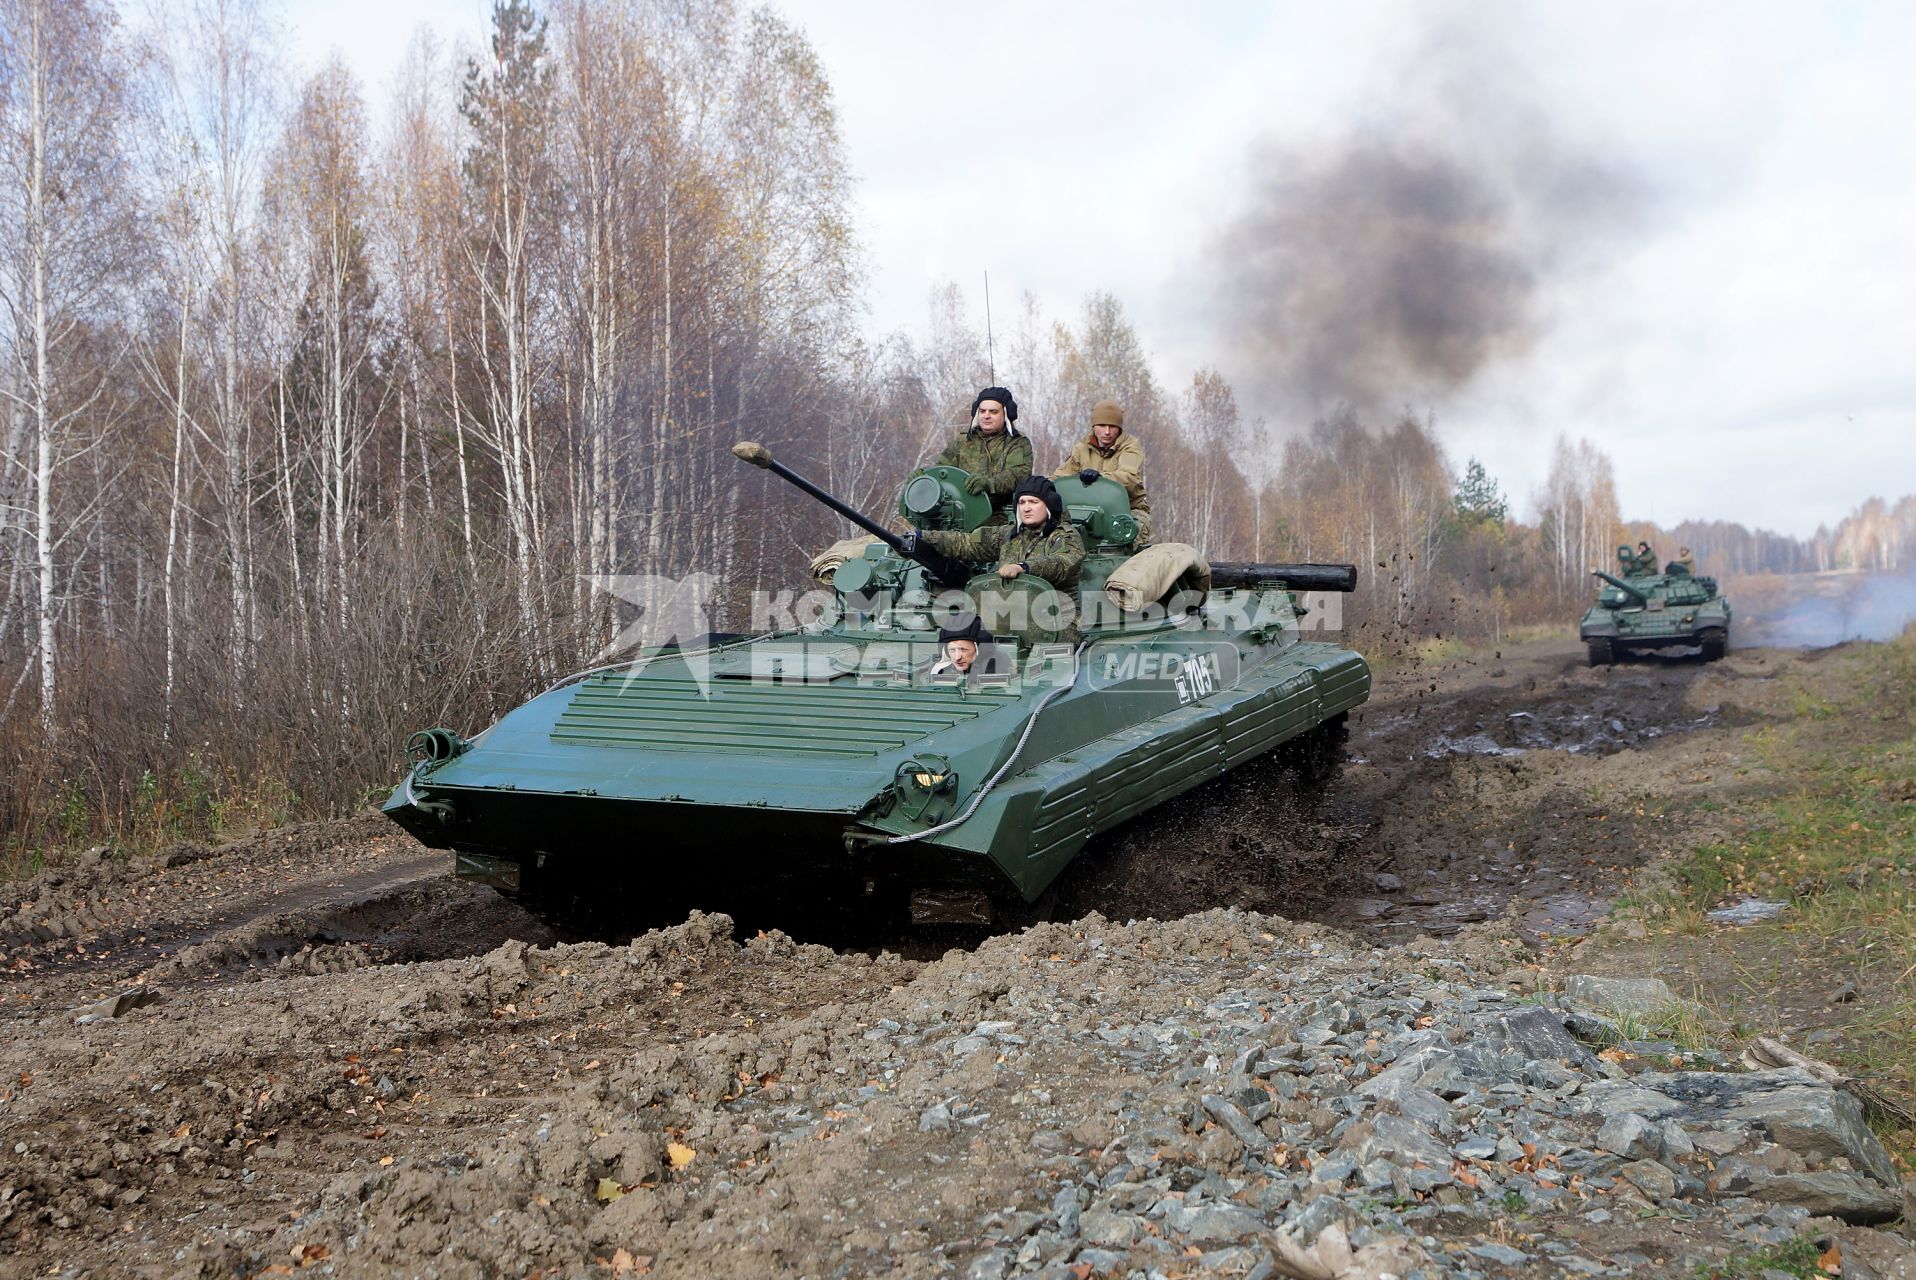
(1628, 590)
(935, 498)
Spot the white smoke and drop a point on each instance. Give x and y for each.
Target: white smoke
(1832, 608)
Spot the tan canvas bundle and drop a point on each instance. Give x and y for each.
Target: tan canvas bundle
(826, 562)
(1154, 572)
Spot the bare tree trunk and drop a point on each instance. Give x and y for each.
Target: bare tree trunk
(175, 501)
(39, 387)
(459, 442)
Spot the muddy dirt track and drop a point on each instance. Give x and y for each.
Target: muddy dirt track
(313, 1049)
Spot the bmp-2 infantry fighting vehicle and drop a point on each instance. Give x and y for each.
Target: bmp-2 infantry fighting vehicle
(695, 775)
(1656, 611)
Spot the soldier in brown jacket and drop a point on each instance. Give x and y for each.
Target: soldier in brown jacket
(1107, 451)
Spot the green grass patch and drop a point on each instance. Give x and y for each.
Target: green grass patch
(1796, 1257)
(1836, 839)
(1687, 1026)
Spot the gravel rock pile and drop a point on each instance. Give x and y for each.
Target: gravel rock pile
(1225, 1095)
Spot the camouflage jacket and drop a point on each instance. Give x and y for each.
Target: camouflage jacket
(1002, 459)
(1124, 463)
(1055, 556)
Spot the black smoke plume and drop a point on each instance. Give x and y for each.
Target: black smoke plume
(1398, 263)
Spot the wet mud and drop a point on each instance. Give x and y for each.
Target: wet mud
(1467, 788)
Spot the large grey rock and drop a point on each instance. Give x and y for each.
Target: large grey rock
(1651, 1178)
(1102, 1226)
(992, 1264)
(1403, 1142)
(1334, 1169)
(1499, 1253)
(1629, 1135)
(1232, 1117)
(1469, 1067)
(1620, 995)
(1795, 1109)
(1542, 1074)
(1676, 1142)
(1850, 1196)
(1478, 1146)
(1056, 1271)
(1530, 1033)
(1620, 1097)
(1426, 1108)
(1721, 1142)
(1402, 1074)
(1307, 1224)
(1213, 1222)
(1818, 1122)
(1376, 1175)
(1068, 1211)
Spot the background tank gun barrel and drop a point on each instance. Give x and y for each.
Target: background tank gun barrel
(1623, 586)
(948, 572)
(1297, 577)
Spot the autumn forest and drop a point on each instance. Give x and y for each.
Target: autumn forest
(319, 425)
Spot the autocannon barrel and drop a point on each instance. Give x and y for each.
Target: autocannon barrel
(1298, 577)
(948, 572)
(1622, 586)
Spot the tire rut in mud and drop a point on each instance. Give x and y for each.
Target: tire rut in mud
(438, 919)
(1465, 789)
(319, 897)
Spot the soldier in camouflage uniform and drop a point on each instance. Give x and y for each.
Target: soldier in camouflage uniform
(992, 449)
(1646, 559)
(1043, 544)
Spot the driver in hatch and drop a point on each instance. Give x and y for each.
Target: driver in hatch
(967, 649)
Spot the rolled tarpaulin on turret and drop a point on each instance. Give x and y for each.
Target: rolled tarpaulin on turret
(1153, 573)
(826, 562)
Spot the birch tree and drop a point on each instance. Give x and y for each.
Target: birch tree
(1212, 426)
(320, 192)
(506, 103)
(66, 230)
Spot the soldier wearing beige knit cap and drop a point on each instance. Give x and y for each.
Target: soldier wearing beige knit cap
(1107, 451)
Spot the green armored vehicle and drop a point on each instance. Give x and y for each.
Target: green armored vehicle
(839, 755)
(1649, 610)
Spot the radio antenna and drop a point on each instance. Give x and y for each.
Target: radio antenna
(991, 357)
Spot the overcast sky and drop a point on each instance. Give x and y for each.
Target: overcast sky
(1700, 216)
